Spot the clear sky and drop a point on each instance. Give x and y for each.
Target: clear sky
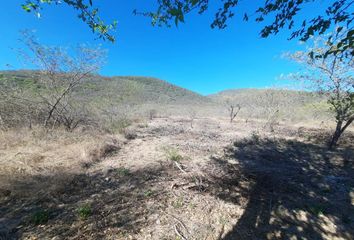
(193, 55)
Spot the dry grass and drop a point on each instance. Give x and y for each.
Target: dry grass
(25, 153)
(234, 181)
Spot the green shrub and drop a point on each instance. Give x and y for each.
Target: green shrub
(123, 171)
(40, 217)
(317, 209)
(178, 203)
(84, 211)
(173, 155)
(148, 193)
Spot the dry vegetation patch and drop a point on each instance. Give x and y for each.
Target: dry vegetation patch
(214, 181)
(35, 153)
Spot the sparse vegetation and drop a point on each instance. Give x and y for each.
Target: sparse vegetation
(133, 175)
(123, 171)
(85, 156)
(54, 101)
(178, 203)
(257, 176)
(317, 210)
(172, 154)
(84, 211)
(148, 193)
(40, 217)
(129, 134)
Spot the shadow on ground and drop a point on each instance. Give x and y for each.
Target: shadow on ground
(293, 190)
(119, 202)
(296, 190)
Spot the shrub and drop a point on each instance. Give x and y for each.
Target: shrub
(317, 209)
(173, 155)
(103, 150)
(148, 193)
(123, 171)
(84, 211)
(40, 217)
(119, 125)
(130, 134)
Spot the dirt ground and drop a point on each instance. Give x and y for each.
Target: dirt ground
(171, 178)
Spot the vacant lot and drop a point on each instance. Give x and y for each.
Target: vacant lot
(165, 179)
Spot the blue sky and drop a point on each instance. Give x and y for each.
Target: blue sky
(193, 55)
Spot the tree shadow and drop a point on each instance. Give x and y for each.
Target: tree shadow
(295, 190)
(290, 190)
(120, 202)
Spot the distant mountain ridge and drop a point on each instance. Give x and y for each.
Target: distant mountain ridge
(141, 94)
(137, 90)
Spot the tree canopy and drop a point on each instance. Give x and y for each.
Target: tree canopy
(280, 14)
(332, 77)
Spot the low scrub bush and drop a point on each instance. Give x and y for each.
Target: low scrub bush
(123, 171)
(119, 125)
(130, 134)
(103, 150)
(173, 155)
(84, 211)
(40, 217)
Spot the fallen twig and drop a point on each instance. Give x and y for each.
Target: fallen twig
(180, 167)
(178, 220)
(178, 233)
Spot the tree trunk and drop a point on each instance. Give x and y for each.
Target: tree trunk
(339, 130)
(336, 135)
(231, 114)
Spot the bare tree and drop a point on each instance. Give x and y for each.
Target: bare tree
(271, 107)
(233, 109)
(60, 74)
(192, 113)
(331, 76)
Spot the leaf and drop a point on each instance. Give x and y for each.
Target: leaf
(26, 8)
(311, 54)
(181, 18)
(194, 2)
(339, 29)
(174, 12)
(245, 17)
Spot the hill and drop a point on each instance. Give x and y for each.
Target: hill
(104, 101)
(137, 90)
(261, 103)
(122, 96)
(254, 95)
